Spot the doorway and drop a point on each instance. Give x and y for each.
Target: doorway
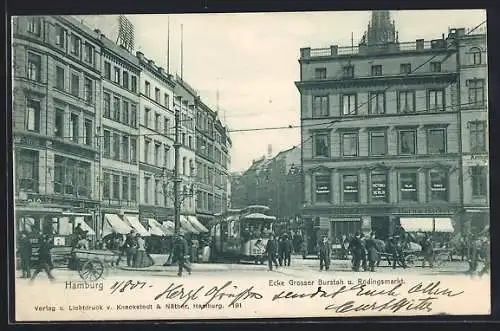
(380, 225)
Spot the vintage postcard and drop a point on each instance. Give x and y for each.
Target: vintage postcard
(251, 165)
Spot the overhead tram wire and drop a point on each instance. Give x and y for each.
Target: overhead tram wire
(392, 85)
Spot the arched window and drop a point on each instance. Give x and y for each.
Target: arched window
(475, 54)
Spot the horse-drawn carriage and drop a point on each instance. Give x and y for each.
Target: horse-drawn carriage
(92, 264)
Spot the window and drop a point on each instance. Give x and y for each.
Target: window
(125, 149)
(167, 101)
(407, 142)
(320, 73)
(147, 144)
(323, 188)
(157, 94)
(405, 68)
(406, 101)
(125, 112)
(436, 100)
(73, 127)
(27, 170)
(146, 189)
(477, 137)
(147, 111)
(349, 104)
(157, 192)
(60, 36)
(133, 115)
(377, 103)
(476, 92)
(321, 144)
(479, 178)
(133, 84)
(106, 186)
(70, 177)
(157, 122)
(435, 66)
(348, 71)
(376, 70)
(157, 154)
(320, 106)
(125, 181)
(184, 166)
(438, 186)
(34, 26)
(350, 144)
(34, 67)
(125, 80)
(379, 187)
(59, 123)
(191, 168)
(75, 45)
(166, 156)
(88, 53)
(183, 139)
(88, 132)
(147, 89)
(408, 186)
(60, 78)
(350, 188)
(378, 143)
(88, 90)
(59, 175)
(107, 70)
(116, 146)
(107, 105)
(133, 188)
(133, 150)
(116, 187)
(83, 183)
(107, 143)
(166, 126)
(75, 85)
(476, 56)
(117, 75)
(32, 120)
(190, 142)
(116, 109)
(436, 141)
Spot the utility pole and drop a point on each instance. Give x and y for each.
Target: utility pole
(177, 180)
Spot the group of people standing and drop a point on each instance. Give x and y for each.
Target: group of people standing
(279, 251)
(44, 258)
(134, 249)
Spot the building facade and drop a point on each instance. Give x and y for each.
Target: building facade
(56, 112)
(119, 129)
(381, 125)
(156, 141)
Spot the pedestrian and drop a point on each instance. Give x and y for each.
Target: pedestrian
(485, 254)
(303, 249)
(356, 247)
(281, 250)
(195, 245)
(372, 250)
(44, 261)
(130, 247)
(364, 263)
(271, 251)
(428, 251)
(25, 252)
(288, 248)
(475, 252)
(181, 251)
(344, 250)
(395, 247)
(324, 254)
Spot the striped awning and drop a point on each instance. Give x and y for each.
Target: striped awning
(113, 223)
(187, 225)
(426, 224)
(84, 225)
(197, 224)
(134, 223)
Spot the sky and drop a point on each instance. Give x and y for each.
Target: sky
(252, 60)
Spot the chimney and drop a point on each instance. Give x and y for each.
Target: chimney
(162, 71)
(151, 63)
(97, 31)
(140, 55)
(420, 44)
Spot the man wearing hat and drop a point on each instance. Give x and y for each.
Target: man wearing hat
(324, 254)
(130, 247)
(181, 251)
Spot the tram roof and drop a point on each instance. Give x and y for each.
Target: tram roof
(259, 216)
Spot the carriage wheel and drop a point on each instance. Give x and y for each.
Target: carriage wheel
(91, 270)
(442, 259)
(410, 260)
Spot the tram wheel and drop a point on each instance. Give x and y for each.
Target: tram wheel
(91, 270)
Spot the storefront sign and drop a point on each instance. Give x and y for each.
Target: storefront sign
(410, 187)
(437, 187)
(322, 188)
(29, 141)
(425, 211)
(350, 189)
(378, 190)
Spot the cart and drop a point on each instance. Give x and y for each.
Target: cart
(93, 263)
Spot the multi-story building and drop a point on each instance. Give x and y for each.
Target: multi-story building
(381, 127)
(119, 129)
(156, 141)
(222, 158)
(472, 59)
(56, 111)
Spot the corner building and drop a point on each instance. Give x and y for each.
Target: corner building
(381, 128)
(56, 111)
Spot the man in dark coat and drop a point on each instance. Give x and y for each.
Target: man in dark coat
(25, 252)
(181, 250)
(44, 258)
(372, 249)
(130, 248)
(357, 249)
(364, 262)
(324, 254)
(395, 248)
(281, 250)
(271, 251)
(288, 248)
(428, 251)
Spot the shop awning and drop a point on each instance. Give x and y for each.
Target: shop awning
(84, 225)
(113, 223)
(171, 227)
(187, 226)
(197, 224)
(134, 223)
(157, 229)
(422, 224)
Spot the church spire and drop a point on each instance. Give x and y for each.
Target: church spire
(381, 30)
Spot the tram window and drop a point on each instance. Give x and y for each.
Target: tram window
(65, 226)
(28, 224)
